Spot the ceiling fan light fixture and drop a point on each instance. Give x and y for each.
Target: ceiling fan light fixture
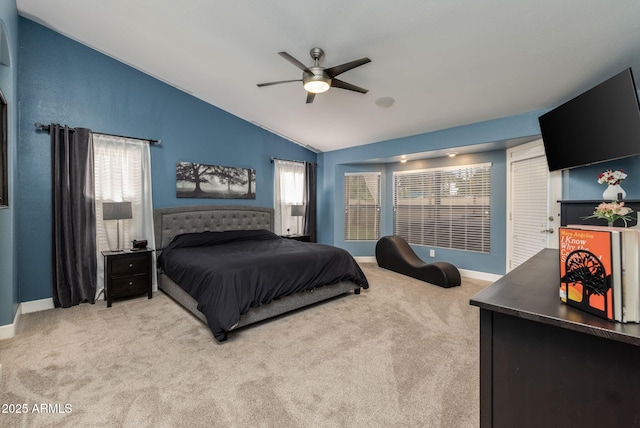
(317, 79)
(317, 84)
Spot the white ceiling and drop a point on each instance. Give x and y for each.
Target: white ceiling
(445, 62)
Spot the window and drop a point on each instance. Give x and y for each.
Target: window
(289, 182)
(362, 206)
(444, 207)
(122, 173)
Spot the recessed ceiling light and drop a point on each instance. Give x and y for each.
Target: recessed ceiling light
(452, 154)
(385, 101)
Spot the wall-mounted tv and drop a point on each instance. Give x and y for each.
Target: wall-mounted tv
(599, 125)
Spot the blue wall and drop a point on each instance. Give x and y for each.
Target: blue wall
(578, 183)
(9, 291)
(582, 183)
(64, 82)
(336, 163)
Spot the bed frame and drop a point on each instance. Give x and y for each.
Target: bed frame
(169, 222)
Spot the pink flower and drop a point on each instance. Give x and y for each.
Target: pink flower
(612, 211)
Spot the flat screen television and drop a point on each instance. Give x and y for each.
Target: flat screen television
(599, 125)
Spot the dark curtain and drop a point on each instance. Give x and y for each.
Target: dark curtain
(74, 216)
(310, 192)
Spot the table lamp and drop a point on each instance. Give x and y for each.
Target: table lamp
(116, 211)
(297, 211)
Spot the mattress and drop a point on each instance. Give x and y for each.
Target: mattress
(230, 272)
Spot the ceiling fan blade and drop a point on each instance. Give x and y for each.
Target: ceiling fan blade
(310, 97)
(295, 62)
(339, 69)
(335, 83)
(260, 85)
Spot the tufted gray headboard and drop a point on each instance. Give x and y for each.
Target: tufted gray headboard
(169, 222)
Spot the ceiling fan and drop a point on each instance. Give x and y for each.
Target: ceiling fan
(317, 79)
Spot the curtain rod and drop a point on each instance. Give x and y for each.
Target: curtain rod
(47, 128)
(290, 160)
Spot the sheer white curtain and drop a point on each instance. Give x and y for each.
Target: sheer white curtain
(289, 190)
(122, 174)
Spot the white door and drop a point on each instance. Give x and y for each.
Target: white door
(533, 210)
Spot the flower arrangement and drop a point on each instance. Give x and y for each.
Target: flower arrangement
(612, 211)
(611, 177)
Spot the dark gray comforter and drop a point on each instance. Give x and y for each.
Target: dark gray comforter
(228, 273)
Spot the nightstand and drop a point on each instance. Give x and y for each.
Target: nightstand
(127, 273)
(303, 238)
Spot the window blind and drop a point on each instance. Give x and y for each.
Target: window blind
(362, 206)
(444, 207)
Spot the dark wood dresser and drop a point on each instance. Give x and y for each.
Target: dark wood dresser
(546, 364)
(127, 273)
(574, 212)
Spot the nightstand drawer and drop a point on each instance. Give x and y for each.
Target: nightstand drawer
(134, 284)
(129, 265)
(127, 273)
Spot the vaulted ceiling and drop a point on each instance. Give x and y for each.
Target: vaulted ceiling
(445, 63)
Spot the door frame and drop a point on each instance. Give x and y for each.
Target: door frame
(554, 194)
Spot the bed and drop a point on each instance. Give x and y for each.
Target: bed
(193, 241)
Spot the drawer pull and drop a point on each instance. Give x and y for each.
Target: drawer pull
(130, 265)
(130, 283)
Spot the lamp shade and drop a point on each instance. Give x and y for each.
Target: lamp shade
(297, 210)
(116, 210)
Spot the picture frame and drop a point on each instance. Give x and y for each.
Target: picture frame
(197, 180)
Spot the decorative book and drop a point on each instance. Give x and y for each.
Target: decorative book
(630, 270)
(589, 266)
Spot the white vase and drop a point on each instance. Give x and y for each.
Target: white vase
(612, 191)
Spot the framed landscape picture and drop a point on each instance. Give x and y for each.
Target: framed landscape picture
(197, 180)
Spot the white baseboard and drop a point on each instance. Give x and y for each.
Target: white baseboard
(37, 305)
(9, 331)
(485, 276)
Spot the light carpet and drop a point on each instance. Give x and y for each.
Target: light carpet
(403, 353)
